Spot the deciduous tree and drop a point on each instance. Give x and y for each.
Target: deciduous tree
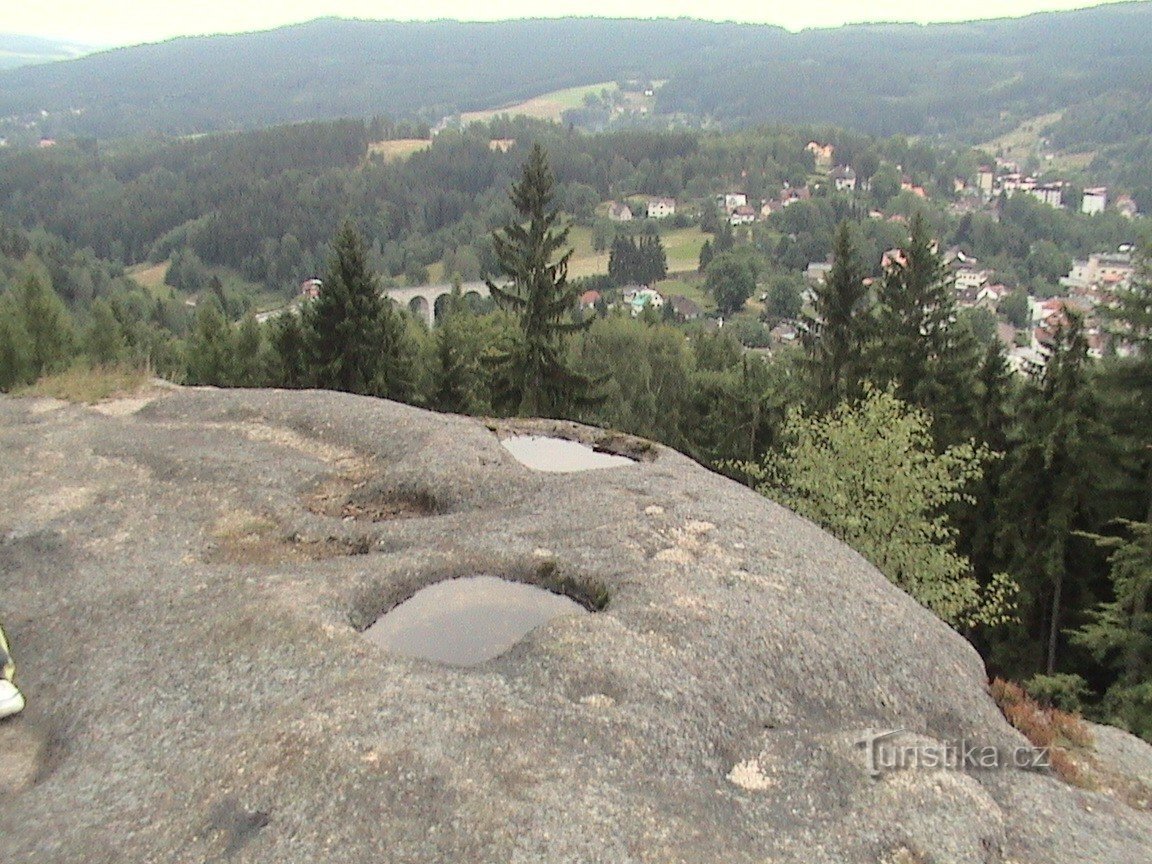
(869, 473)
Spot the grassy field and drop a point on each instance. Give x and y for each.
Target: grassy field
(402, 148)
(586, 261)
(683, 247)
(681, 244)
(1024, 142)
(547, 106)
(150, 277)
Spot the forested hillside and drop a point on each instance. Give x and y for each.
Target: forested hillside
(267, 203)
(956, 79)
(337, 68)
(965, 80)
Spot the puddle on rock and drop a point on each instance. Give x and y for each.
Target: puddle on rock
(463, 622)
(559, 454)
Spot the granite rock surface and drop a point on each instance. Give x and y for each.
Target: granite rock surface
(185, 577)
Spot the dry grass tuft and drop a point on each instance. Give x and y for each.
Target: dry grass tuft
(89, 385)
(1051, 728)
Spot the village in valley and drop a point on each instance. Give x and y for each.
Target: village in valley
(1025, 320)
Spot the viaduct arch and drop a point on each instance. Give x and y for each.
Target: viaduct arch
(421, 299)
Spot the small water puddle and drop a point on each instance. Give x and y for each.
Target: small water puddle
(559, 454)
(463, 622)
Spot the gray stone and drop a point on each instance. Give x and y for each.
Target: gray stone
(185, 577)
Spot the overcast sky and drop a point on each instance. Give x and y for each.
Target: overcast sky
(124, 22)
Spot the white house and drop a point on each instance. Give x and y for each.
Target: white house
(742, 215)
(1094, 200)
(618, 212)
(732, 200)
(661, 208)
(971, 279)
(844, 178)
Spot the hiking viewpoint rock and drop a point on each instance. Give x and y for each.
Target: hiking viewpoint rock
(185, 577)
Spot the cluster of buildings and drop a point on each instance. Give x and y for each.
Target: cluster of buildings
(654, 208)
(1005, 177)
(1091, 284)
(1101, 273)
(637, 298)
(735, 205)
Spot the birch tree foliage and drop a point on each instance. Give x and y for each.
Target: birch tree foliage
(868, 473)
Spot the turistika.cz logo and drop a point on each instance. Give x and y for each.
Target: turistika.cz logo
(883, 753)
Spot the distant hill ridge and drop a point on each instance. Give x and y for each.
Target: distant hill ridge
(968, 80)
(20, 50)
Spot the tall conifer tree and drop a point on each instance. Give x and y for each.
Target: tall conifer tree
(1054, 469)
(534, 378)
(838, 330)
(355, 338)
(920, 347)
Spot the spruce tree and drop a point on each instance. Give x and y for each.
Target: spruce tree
(51, 337)
(455, 373)
(1119, 632)
(705, 256)
(837, 333)
(289, 352)
(982, 521)
(534, 378)
(354, 337)
(920, 348)
(248, 362)
(620, 260)
(653, 259)
(211, 347)
(1128, 379)
(104, 337)
(1055, 466)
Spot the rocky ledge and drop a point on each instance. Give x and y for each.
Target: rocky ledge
(185, 577)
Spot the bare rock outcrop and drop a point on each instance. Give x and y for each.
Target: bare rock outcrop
(185, 579)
